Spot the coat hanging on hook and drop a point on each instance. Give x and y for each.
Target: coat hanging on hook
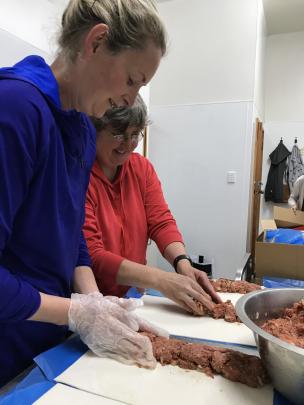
(274, 185)
(295, 165)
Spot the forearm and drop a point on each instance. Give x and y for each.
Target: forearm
(138, 275)
(84, 281)
(52, 309)
(172, 251)
(55, 309)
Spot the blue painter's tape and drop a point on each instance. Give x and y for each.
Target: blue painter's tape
(219, 343)
(278, 282)
(134, 293)
(29, 390)
(278, 399)
(56, 360)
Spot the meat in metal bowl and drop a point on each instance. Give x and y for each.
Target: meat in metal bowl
(283, 361)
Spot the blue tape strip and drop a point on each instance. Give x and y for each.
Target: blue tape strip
(29, 390)
(134, 293)
(56, 360)
(277, 282)
(214, 342)
(154, 293)
(278, 399)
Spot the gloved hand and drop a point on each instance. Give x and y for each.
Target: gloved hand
(131, 304)
(109, 330)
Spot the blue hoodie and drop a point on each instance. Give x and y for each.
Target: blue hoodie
(45, 159)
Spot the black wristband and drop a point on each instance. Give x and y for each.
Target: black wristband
(181, 257)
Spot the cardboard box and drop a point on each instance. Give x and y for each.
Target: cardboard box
(280, 259)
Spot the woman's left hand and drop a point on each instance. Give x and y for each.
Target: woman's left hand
(201, 278)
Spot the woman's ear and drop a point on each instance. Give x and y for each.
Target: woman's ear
(94, 38)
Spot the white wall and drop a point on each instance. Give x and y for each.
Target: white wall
(145, 94)
(284, 97)
(212, 52)
(208, 140)
(259, 81)
(285, 78)
(14, 49)
(202, 110)
(34, 21)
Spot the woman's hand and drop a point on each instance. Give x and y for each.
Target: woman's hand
(110, 330)
(200, 277)
(184, 290)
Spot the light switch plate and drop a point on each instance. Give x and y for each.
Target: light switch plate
(231, 176)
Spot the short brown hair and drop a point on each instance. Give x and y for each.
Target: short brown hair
(121, 118)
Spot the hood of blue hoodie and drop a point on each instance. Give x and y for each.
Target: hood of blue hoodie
(35, 70)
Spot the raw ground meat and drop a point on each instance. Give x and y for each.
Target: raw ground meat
(224, 310)
(233, 365)
(290, 326)
(231, 286)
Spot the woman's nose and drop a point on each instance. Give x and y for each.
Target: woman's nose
(129, 98)
(133, 97)
(128, 142)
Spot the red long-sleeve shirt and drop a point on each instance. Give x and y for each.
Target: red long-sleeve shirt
(122, 216)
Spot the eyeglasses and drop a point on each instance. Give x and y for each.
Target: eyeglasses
(135, 138)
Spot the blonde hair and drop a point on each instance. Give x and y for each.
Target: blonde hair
(131, 24)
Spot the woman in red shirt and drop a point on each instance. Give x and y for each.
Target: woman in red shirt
(125, 207)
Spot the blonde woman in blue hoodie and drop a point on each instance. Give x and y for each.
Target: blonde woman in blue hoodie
(108, 50)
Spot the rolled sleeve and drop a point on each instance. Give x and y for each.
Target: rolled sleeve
(106, 266)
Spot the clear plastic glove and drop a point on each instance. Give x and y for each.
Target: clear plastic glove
(131, 304)
(109, 330)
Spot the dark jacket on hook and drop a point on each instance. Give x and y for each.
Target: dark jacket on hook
(274, 185)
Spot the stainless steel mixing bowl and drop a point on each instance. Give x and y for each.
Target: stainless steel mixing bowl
(284, 361)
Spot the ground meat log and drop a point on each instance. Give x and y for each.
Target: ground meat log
(224, 310)
(231, 286)
(233, 365)
(290, 326)
(240, 367)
